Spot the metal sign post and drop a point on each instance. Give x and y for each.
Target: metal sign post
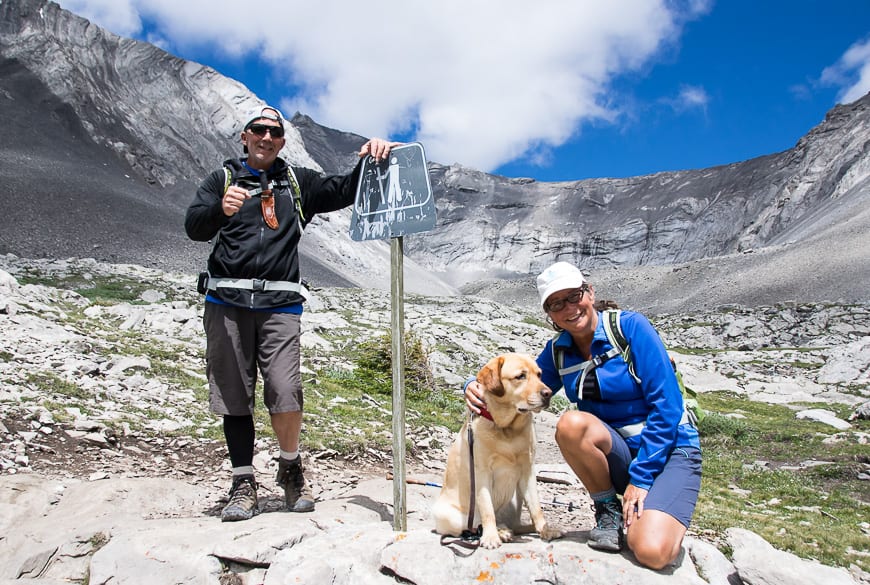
(394, 198)
(400, 521)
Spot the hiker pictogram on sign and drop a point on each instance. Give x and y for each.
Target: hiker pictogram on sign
(394, 197)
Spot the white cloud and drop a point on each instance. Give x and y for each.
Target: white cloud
(117, 16)
(690, 97)
(480, 82)
(851, 73)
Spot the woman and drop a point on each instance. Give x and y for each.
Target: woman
(630, 435)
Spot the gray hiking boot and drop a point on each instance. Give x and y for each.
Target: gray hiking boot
(607, 534)
(243, 500)
(297, 494)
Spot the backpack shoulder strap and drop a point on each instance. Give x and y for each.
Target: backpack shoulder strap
(228, 178)
(297, 196)
(559, 359)
(558, 353)
(613, 329)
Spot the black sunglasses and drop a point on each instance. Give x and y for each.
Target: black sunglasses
(573, 298)
(261, 129)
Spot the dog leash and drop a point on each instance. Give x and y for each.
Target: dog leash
(470, 537)
(470, 533)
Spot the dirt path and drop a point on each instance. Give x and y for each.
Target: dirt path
(90, 456)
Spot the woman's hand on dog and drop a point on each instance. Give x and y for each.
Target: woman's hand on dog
(474, 397)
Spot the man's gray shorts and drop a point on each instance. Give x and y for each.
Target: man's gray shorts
(239, 342)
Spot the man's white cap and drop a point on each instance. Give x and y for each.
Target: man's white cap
(556, 277)
(265, 113)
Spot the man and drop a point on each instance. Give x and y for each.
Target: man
(255, 209)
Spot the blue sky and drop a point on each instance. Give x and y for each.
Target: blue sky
(554, 90)
(759, 66)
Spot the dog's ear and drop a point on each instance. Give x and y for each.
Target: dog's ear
(490, 376)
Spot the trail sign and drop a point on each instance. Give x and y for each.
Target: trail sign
(393, 197)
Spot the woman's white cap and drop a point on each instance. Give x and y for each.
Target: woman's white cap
(556, 277)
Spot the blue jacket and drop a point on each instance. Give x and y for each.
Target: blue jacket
(657, 400)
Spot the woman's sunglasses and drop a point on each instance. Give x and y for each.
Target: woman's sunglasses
(572, 298)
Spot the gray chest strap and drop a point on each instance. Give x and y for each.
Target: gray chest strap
(256, 189)
(258, 285)
(588, 366)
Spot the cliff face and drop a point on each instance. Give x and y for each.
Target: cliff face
(130, 129)
(168, 118)
(665, 218)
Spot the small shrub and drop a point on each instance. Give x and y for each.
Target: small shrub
(559, 404)
(719, 427)
(376, 360)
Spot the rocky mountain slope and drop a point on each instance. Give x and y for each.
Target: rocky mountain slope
(127, 131)
(665, 218)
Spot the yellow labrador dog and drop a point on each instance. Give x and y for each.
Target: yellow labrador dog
(504, 452)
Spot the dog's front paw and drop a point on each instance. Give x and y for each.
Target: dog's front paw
(490, 541)
(551, 533)
(505, 534)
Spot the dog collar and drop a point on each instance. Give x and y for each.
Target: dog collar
(485, 414)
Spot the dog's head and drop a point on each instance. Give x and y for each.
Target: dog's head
(513, 380)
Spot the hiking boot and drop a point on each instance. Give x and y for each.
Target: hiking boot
(607, 534)
(297, 494)
(243, 500)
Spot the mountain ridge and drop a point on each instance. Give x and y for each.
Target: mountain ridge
(132, 130)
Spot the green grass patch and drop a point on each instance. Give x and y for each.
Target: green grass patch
(696, 351)
(113, 291)
(537, 322)
(350, 411)
(58, 411)
(759, 473)
(99, 289)
(806, 365)
(54, 385)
